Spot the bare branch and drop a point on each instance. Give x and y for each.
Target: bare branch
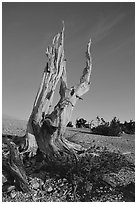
(63, 82)
(49, 128)
(84, 84)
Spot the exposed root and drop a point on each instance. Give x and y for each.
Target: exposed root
(13, 165)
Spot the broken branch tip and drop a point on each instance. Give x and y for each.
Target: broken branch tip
(63, 25)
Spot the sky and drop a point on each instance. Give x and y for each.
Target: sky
(27, 30)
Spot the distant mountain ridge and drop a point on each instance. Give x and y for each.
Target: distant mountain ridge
(13, 126)
(9, 117)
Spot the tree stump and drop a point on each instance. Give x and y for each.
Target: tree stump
(46, 128)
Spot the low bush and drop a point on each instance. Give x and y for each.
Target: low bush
(109, 129)
(113, 128)
(80, 123)
(86, 176)
(70, 124)
(128, 127)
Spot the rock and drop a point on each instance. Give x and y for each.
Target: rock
(64, 180)
(13, 194)
(4, 179)
(122, 178)
(59, 181)
(43, 187)
(101, 188)
(111, 179)
(50, 189)
(62, 184)
(34, 198)
(41, 183)
(89, 186)
(35, 185)
(49, 180)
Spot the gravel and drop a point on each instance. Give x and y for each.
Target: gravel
(118, 185)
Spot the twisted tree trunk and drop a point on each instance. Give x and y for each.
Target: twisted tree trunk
(46, 129)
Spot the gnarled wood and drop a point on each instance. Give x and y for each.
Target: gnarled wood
(12, 165)
(46, 129)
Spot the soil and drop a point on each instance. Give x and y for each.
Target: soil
(124, 144)
(111, 165)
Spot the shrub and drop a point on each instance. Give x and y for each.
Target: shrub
(80, 123)
(85, 177)
(70, 124)
(101, 130)
(114, 128)
(129, 127)
(109, 129)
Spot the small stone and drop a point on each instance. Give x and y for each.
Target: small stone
(101, 187)
(89, 186)
(64, 180)
(35, 194)
(34, 198)
(43, 187)
(13, 194)
(4, 179)
(35, 185)
(50, 189)
(41, 183)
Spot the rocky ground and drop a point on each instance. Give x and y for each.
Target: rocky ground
(105, 173)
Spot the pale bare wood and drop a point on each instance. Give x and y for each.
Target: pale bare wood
(47, 130)
(12, 164)
(44, 97)
(67, 103)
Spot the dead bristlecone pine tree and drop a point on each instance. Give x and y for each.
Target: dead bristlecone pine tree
(46, 128)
